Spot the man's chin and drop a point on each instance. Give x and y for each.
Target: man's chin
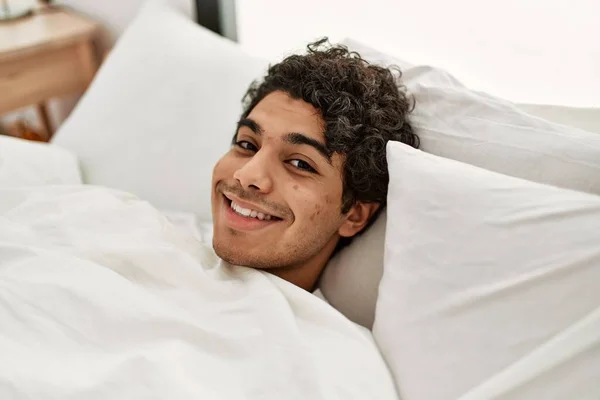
(235, 256)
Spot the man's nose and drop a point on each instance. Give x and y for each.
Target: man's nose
(255, 174)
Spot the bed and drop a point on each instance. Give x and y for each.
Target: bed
(480, 281)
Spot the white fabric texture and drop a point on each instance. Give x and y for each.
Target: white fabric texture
(161, 111)
(587, 119)
(490, 287)
(102, 298)
(455, 122)
(189, 223)
(27, 163)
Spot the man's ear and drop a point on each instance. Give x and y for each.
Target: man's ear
(356, 219)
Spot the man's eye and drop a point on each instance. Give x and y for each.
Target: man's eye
(303, 165)
(246, 145)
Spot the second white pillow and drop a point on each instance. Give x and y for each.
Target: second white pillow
(490, 285)
(161, 111)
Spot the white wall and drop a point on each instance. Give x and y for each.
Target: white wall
(537, 51)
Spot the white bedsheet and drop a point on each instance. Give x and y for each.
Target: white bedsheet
(102, 298)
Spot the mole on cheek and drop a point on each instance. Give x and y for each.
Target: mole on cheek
(318, 210)
(295, 187)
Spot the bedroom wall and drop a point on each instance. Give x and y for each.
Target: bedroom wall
(533, 51)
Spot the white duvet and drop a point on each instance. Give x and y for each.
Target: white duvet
(102, 298)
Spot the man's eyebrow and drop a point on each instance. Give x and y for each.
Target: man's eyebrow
(300, 138)
(251, 124)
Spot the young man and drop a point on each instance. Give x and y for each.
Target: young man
(307, 169)
(100, 294)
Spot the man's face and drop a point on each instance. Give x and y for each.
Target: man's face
(278, 171)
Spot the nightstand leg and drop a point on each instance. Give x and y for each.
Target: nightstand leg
(42, 114)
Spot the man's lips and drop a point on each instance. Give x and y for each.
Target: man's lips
(242, 223)
(231, 198)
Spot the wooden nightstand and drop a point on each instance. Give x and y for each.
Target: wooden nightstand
(49, 54)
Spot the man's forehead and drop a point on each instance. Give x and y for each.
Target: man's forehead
(278, 113)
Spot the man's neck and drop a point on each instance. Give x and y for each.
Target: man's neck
(306, 275)
(305, 278)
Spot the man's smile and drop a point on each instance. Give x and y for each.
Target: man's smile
(245, 217)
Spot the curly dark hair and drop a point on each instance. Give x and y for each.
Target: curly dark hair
(363, 107)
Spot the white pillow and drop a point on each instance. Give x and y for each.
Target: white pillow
(585, 118)
(161, 111)
(486, 275)
(27, 163)
(455, 122)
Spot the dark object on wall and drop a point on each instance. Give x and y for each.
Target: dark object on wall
(218, 16)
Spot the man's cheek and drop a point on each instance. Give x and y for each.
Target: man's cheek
(223, 168)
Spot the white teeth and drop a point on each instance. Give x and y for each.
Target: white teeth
(246, 212)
